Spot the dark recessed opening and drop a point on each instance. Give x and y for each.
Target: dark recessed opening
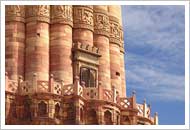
(117, 73)
(38, 34)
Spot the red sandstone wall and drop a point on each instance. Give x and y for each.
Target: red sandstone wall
(114, 16)
(14, 41)
(83, 24)
(37, 42)
(101, 40)
(61, 43)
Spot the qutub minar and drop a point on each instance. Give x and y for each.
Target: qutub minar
(65, 65)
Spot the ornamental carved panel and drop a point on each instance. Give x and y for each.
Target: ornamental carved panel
(121, 33)
(40, 12)
(62, 14)
(15, 12)
(121, 36)
(101, 24)
(114, 31)
(83, 17)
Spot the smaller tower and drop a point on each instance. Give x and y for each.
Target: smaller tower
(114, 17)
(37, 42)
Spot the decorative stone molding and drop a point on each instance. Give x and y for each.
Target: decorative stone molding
(83, 17)
(112, 18)
(114, 30)
(86, 54)
(62, 14)
(121, 34)
(101, 23)
(122, 50)
(15, 13)
(38, 13)
(121, 39)
(86, 48)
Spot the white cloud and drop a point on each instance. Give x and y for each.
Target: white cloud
(157, 26)
(159, 70)
(155, 82)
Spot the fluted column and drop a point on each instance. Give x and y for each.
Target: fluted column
(114, 17)
(14, 40)
(101, 40)
(83, 24)
(122, 57)
(37, 41)
(61, 43)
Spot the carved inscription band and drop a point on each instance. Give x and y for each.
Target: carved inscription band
(38, 13)
(101, 23)
(121, 37)
(114, 30)
(15, 13)
(62, 14)
(83, 17)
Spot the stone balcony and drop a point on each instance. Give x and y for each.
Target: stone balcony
(24, 88)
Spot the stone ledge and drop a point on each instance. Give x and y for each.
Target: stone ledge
(87, 48)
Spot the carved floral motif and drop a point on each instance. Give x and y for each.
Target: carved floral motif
(83, 17)
(114, 31)
(101, 24)
(62, 14)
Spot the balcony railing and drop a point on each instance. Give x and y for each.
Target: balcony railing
(89, 93)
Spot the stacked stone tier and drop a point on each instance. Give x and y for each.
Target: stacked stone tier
(56, 90)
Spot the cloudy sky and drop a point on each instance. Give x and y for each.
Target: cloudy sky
(155, 58)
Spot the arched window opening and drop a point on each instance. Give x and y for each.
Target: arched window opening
(84, 75)
(42, 109)
(88, 76)
(57, 110)
(92, 117)
(13, 110)
(27, 112)
(117, 119)
(81, 115)
(107, 118)
(126, 120)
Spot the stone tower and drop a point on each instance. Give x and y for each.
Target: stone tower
(65, 65)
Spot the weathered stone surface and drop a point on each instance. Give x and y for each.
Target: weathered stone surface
(38, 13)
(101, 21)
(83, 24)
(62, 14)
(60, 52)
(15, 13)
(14, 45)
(37, 46)
(102, 42)
(83, 17)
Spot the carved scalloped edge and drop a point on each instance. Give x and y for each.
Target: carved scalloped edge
(14, 18)
(83, 26)
(38, 18)
(86, 6)
(101, 11)
(102, 32)
(62, 21)
(86, 47)
(114, 19)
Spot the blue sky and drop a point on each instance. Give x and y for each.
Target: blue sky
(155, 59)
